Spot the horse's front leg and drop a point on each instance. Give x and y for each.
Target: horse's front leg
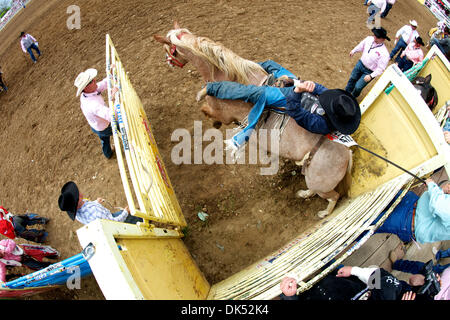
(332, 197)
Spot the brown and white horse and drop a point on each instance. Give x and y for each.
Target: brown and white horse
(331, 162)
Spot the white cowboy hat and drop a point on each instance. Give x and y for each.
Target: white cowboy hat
(413, 23)
(84, 78)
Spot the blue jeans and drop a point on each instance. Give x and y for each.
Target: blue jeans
(35, 48)
(130, 218)
(373, 10)
(399, 221)
(105, 139)
(415, 267)
(356, 82)
(272, 67)
(399, 47)
(386, 11)
(436, 42)
(404, 63)
(21, 222)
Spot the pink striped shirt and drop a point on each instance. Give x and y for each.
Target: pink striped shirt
(374, 56)
(94, 108)
(414, 54)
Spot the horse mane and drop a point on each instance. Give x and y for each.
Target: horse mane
(236, 68)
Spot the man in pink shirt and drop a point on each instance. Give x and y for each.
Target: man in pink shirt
(412, 55)
(29, 43)
(94, 108)
(373, 62)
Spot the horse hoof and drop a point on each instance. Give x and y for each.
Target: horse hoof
(217, 124)
(322, 214)
(305, 194)
(201, 94)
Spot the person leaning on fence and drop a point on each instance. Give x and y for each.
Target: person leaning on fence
(404, 36)
(411, 56)
(85, 211)
(349, 283)
(29, 43)
(13, 226)
(93, 106)
(373, 62)
(424, 219)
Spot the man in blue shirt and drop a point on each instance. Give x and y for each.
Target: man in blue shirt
(313, 106)
(425, 219)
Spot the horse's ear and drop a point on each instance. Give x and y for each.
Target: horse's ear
(161, 39)
(176, 25)
(428, 78)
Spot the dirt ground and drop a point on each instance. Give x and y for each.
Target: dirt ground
(46, 141)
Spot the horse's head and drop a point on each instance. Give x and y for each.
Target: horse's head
(173, 55)
(427, 91)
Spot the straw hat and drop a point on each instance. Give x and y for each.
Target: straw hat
(84, 78)
(413, 23)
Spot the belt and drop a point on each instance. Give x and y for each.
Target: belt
(413, 218)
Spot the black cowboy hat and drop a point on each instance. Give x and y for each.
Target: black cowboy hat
(381, 33)
(68, 200)
(342, 109)
(420, 41)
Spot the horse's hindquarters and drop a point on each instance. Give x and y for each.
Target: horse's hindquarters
(327, 167)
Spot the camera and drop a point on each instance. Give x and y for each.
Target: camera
(431, 286)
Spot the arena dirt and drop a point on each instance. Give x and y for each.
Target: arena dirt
(45, 140)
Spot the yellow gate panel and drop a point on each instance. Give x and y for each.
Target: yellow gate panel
(164, 269)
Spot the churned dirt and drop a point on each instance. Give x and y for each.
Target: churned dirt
(46, 141)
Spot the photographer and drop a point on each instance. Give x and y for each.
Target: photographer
(431, 281)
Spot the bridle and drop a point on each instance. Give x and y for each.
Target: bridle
(171, 52)
(171, 59)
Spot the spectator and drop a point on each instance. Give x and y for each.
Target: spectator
(349, 283)
(94, 108)
(412, 55)
(13, 255)
(13, 226)
(446, 127)
(2, 83)
(29, 43)
(373, 62)
(416, 267)
(425, 219)
(403, 37)
(389, 5)
(442, 42)
(85, 211)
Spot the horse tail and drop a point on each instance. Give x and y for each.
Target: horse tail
(344, 185)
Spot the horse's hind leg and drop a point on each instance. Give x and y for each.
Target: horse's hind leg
(332, 197)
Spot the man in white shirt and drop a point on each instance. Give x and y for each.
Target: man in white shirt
(94, 108)
(404, 36)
